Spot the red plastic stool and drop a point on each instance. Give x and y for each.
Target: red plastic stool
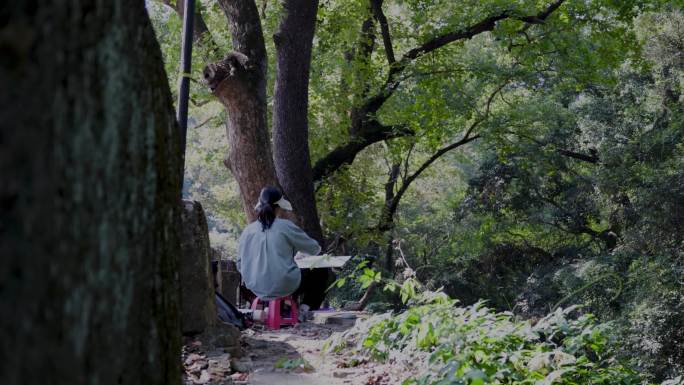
(275, 319)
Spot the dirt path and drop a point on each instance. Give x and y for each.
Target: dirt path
(293, 355)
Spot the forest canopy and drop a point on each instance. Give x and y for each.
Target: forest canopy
(528, 153)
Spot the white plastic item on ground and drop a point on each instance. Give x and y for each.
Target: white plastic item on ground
(320, 261)
(257, 315)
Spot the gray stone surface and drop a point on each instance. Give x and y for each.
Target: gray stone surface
(216, 275)
(341, 318)
(198, 308)
(222, 336)
(230, 281)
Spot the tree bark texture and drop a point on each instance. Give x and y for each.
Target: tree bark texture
(89, 202)
(387, 214)
(293, 43)
(239, 82)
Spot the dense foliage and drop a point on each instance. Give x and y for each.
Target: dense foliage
(447, 344)
(570, 190)
(605, 232)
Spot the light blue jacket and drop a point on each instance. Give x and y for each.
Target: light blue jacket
(266, 257)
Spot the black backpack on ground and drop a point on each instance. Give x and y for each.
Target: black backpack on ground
(228, 313)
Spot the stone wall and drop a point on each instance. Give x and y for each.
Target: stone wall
(199, 316)
(230, 282)
(197, 291)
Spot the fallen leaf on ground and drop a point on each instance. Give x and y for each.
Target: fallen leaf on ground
(377, 380)
(195, 368)
(239, 376)
(192, 358)
(204, 378)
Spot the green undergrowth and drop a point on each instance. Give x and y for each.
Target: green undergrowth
(294, 364)
(441, 343)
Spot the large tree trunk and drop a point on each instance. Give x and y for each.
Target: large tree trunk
(293, 43)
(239, 81)
(89, 158)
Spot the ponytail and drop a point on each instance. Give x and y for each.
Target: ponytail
(266, 215)
(269, 199)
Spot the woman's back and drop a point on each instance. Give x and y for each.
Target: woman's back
(266, 257)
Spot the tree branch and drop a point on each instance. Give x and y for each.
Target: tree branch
(373, 132)
(406, 161)
(203, 123)
(485, 25)
(376, 6)
(593, 158)
(200, 33)
(249, 59)
(246, 33)
(364, 115)
(387, 219)
(362, 53)
(541, 17)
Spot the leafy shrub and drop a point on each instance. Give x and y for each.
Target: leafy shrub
(476, 345)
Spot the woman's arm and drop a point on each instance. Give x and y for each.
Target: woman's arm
(300, 240)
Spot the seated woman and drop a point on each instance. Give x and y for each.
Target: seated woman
(267, 248)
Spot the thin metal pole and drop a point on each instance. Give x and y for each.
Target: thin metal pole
(186, 68)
